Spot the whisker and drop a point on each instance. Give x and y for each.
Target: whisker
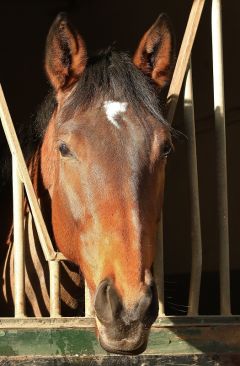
(180, 305)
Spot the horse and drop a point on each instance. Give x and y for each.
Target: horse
(99, 171)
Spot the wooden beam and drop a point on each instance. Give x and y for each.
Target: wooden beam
(16, 152)
(68, 342)
(196, 238)
(221, 157)
(183, 57)
(18, 242)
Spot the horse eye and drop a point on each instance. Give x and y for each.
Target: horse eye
(64, 150)
(166, 149)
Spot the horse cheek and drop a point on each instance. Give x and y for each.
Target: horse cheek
(153, 220)
(64, 229)
(48, 159)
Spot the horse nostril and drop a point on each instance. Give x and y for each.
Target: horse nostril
(107, 303)
(144, 303)
(147, 310)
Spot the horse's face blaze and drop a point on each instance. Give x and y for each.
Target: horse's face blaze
(103, 164)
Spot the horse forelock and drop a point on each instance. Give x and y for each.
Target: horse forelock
(111, 76)
(108, 76)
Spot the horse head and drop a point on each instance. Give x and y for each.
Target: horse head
(103, 161)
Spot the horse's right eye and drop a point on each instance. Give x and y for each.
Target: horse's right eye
(64, 150)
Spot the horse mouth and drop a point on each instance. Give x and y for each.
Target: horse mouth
(131, 345)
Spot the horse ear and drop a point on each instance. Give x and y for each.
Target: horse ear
(156, 52)
(66, 54)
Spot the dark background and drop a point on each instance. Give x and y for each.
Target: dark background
(23, 30)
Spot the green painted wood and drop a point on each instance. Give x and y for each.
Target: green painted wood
(82, 322)
(168, 321)
(66, 342)
(144, 360)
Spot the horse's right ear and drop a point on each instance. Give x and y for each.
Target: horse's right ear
(66, 54)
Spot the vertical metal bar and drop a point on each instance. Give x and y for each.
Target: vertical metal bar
(88, 303)
(221, 161)
(55, 305)
(18, 232)
(158, 268)
(196, 239)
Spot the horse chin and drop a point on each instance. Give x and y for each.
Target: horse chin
(118, 348)
(132, 343)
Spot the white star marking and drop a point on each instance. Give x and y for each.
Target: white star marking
(113, 109)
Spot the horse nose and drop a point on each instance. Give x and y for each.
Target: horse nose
(109, 306)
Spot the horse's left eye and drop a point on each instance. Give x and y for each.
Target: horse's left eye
(64, 150)
(166, 149)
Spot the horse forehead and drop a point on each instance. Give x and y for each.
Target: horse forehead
(111, 123)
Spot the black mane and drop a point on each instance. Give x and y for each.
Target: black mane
(111, 75)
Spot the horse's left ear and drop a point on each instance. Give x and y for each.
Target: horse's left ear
(66, 54)
(156, 54)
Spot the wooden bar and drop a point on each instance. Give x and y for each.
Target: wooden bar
(221, 161)
(18, 247)
(16, 152)
(196, 239)
(55, 304)
(183, 57)
(158, 268)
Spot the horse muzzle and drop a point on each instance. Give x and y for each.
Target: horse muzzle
(121, 330)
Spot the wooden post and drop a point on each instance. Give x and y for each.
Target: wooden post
(196, 240)
(55, 303)
(221, 160)
(18, 247)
